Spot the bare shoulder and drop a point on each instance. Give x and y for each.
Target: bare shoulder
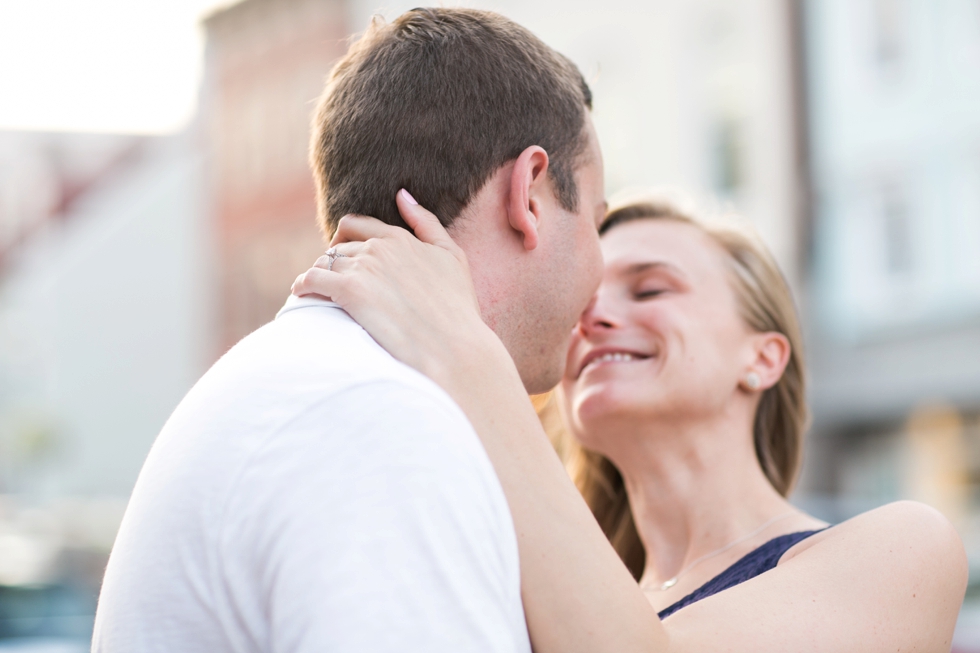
(891, 579)
(901, 544)
(903, 527)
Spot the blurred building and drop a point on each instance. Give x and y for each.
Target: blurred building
(894, 316)
(102, 313)
(128, 264)
(894, 296)
(267, 61)
(103, 327)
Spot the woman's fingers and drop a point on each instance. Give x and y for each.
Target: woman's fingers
(368, 258)
(360, 227)
(323, 278)
(316, 281)
(425, 224)
(332, 257)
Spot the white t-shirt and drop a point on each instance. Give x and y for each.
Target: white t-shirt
(311, 493)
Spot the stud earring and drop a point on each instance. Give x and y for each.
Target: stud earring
(753, 381)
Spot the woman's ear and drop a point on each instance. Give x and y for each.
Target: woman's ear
(772, 352)
(528, 180)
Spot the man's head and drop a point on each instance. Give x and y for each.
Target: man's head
(488, 128)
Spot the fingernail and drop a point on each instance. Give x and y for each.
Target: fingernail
(408, 196)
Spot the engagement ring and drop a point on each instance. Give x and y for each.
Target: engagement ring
(333, 255)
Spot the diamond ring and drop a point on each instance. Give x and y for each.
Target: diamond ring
(333, 255)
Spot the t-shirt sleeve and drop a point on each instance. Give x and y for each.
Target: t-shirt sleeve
(373, 522)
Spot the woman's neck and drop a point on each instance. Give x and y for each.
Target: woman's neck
(694, 487)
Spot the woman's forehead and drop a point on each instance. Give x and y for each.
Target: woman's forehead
(660, 243)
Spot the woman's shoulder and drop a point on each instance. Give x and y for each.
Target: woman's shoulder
(909, 523)
(905, 538)
(889, 579)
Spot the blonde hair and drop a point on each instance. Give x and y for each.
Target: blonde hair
(766, 304)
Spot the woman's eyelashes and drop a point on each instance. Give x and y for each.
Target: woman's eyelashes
(653, 284)
(648, 293)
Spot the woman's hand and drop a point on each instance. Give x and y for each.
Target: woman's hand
(413, 294)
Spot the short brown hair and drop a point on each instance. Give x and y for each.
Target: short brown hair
(435, 102)
(766, 304)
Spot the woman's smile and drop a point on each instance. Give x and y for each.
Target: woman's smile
(605, 356)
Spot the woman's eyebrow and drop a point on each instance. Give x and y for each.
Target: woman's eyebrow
(639, 268)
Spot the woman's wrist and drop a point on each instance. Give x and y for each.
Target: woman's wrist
(470, 362)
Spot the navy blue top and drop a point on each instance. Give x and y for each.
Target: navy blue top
(749, 566)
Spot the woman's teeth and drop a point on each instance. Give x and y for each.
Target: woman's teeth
(615, 357)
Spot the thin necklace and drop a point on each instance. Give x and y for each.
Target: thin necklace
(673, 581)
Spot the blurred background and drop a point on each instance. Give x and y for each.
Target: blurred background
(155, 204)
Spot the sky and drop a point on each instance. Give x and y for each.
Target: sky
(100, 65)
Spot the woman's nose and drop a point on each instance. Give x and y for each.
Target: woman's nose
(597, 317)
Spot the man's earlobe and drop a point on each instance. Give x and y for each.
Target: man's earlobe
(528, 180)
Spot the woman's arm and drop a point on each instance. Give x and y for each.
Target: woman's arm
(578, 596)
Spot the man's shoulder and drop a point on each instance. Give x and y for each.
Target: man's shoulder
(315, 334)
(365, 453)
(312, 345)
(311, 383)
(304, 385)
(386, 428)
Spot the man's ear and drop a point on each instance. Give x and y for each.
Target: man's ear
(528, 180)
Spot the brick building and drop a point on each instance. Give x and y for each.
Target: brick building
(266, 62)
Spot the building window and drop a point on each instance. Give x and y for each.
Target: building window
(897, 223)
(729, 157)
(889, 35)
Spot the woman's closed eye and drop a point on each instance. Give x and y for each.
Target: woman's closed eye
(648, 293)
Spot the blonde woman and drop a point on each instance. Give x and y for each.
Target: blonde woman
(684, 396)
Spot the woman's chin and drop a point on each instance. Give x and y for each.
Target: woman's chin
(600, 403)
